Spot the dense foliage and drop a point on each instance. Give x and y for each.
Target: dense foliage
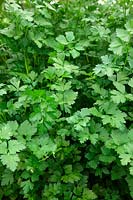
(66, 92)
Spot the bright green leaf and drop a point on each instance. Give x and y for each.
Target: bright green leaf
(6, 132)
(70, 36)
(2, 91)
(117, 97)
(27, 129)
(11, 161)
(130, 83)
(123, 35)
(120, 87)
(15, 146)
(88, 194)
(116, 46)
(61, 39)
(3, 147)
(129, 26)
(75, 53)
(125, 158)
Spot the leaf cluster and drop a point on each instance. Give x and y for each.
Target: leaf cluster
(66, 95)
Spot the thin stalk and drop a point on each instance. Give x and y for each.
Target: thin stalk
(26, 63)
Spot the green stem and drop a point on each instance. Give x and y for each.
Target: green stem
(26, 63)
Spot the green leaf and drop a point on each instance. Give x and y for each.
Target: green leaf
(116, 120)
(70, 36)
(94, 112)
(27, 186)
(7, 178)
(123, 35)
(120, 87)
(130, 61)
(130, 134)
(8, 31)
(125, 158)
(1, 85)
(119, 138)
(109, 71)
(69, 97)
(63, 132)
(51, 42)
(66, 99)
(62, 40)
(93, 164)
(2, 91)
(129, 148)
(15, 82)
(107, 159)
(130, 83)
(94, 138)
(116, 46)
(49, 6)
(84, 112)
(75, 53)
(117, 173)
(71, 178)
(13, 125)
(6, 132)
(122, 77)
(27, 129)
(79, 46)
(88, 194)
(61, 86)
(41, 21)
(129, 26)
(105, 59)
(129, 180)
(3, 147)
(11, 161)
(83, 135)
(117, 97)
(42, 146)
(28, 15)
(15, 146)
(131, 170)
(38, 43)
(68, 169)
